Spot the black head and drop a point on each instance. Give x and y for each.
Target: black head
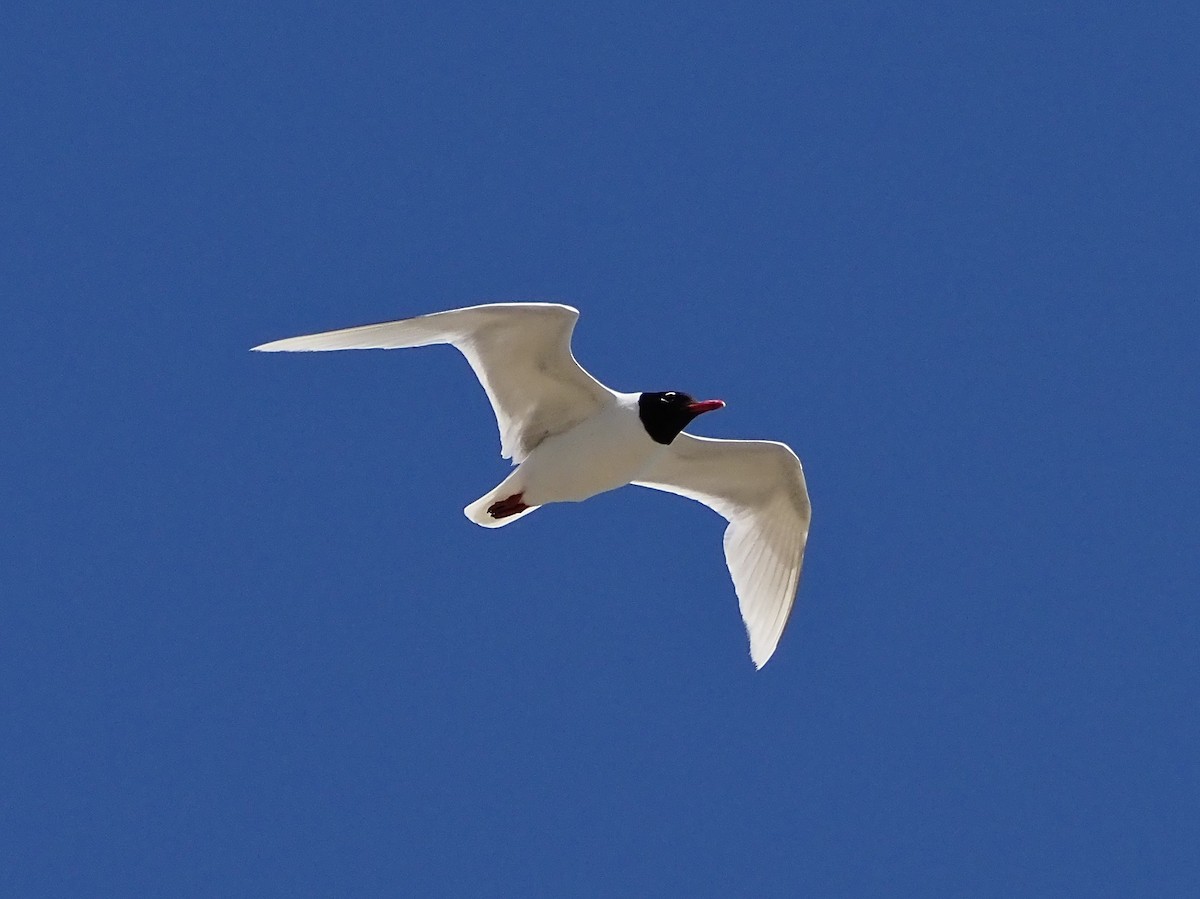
(664, 415)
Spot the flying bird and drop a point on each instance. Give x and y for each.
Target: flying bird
(570, 438)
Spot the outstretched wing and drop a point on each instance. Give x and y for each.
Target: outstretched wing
(521, 353)
(758, 487)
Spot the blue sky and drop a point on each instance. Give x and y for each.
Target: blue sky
(250, 646)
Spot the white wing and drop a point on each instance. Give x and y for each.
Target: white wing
(758, 486)
(521, 353)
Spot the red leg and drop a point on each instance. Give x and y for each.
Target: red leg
(507, 507)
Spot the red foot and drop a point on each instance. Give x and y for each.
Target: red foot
(506, 507)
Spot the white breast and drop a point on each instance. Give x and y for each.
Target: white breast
(606, 451)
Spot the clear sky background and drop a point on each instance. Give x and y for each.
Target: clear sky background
(249, 646)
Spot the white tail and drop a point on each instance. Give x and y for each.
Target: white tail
(478, 510)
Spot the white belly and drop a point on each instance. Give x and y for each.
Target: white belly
(602, 453)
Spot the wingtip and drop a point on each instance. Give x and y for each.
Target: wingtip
(273, 346)
(759, 659)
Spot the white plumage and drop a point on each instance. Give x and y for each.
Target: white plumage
(571, 438)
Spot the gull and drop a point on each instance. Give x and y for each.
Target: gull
(570, 438)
